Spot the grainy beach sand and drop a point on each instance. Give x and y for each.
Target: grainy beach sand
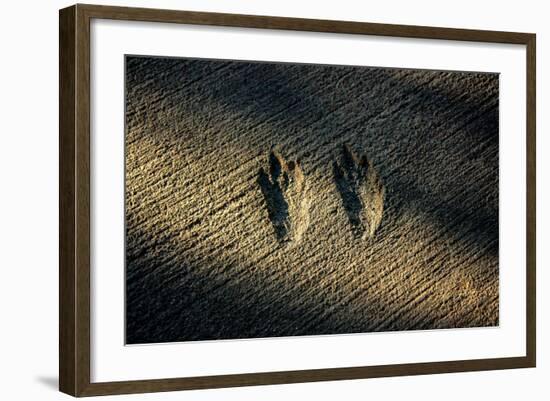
(272, 199)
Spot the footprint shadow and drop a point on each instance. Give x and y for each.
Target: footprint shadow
(286, 196)
(361, 191)
(271, 187)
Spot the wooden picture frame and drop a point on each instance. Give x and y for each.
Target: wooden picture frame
(74, 200)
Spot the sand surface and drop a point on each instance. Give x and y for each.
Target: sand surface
(289, 199)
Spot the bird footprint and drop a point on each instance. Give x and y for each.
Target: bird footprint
(362, 192)
(286, 194)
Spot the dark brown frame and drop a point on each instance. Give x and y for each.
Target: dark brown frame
(74, 200)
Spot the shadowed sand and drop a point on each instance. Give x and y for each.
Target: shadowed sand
(285, 199)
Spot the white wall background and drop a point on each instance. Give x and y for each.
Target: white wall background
(29, 185)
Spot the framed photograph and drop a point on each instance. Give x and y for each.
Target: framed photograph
(250, 200)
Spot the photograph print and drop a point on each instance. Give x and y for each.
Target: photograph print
(269, 199)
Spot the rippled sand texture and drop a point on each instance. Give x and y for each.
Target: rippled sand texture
(290, 199)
